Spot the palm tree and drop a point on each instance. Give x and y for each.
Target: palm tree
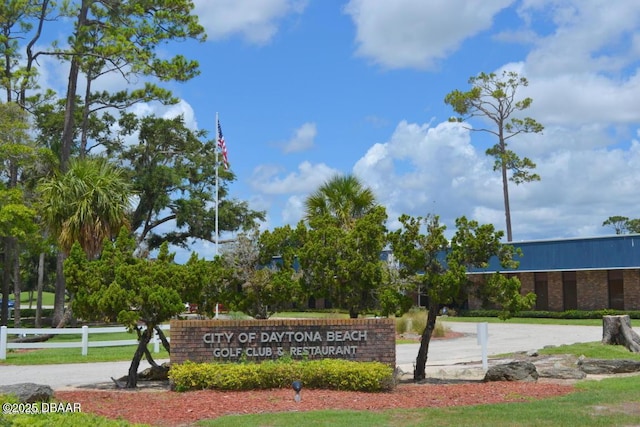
(343, 197)
(87, 204)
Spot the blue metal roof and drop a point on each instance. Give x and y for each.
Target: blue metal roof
(594, 253)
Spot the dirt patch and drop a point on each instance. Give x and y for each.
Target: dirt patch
(627, 408)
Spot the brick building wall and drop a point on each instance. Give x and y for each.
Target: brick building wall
(592, 289)
(527, 282)
(554, 284)
(362, 340)
(632, 289)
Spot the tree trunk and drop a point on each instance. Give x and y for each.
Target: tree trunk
(419, 372)
(6, 279)
(40, 286)
(163, 339)
(144, 339)
(505, 190)
(84, 128)
(17, 285)
(66, 318)
(69, 129)
(33, 338)
(616, 330)
(59, 297)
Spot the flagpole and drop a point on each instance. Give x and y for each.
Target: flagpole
(217, 185)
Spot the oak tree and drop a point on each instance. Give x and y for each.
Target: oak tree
(173, 173)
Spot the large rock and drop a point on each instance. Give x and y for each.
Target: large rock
(512, 371)
(28, 392)
(562, 373)
(608, 367)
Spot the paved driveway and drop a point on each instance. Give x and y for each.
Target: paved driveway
(502, 338)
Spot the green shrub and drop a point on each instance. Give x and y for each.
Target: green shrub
(415, 321)
(335, 374)
(31, 312)
(439, 331)
(419, 323)
(402, 324)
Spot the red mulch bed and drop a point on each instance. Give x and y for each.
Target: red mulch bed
(167, 408)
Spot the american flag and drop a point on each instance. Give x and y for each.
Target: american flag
(223, 147)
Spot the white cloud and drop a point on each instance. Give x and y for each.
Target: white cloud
(415, 34)
(256, 21)
(423, 169)
(308, 177)
(302, 140)
(595, 35)
(182, 108)
(294, 209)
(583, 69)
(287, 194)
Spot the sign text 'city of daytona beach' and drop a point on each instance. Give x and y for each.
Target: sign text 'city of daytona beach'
(295, 343)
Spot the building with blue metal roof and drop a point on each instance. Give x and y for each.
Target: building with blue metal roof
(581, 273)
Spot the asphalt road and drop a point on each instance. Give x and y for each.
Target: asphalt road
(502, 338)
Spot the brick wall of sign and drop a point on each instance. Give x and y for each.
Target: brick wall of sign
(362, 340)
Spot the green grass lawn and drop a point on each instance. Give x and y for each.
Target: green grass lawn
(592, 350)
(608, 402)
(47, 356)
(47, 299)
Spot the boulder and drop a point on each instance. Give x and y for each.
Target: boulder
(608, 367)
(28, 392)
(562, 373)
(512, 371)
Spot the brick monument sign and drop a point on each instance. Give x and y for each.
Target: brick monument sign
(362, 340)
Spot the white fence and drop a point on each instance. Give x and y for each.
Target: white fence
(84, 344)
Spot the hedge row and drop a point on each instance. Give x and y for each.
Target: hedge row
(31, 312)
(569, 314)
(334, 374)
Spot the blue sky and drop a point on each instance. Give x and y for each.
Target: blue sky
(309, 89)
